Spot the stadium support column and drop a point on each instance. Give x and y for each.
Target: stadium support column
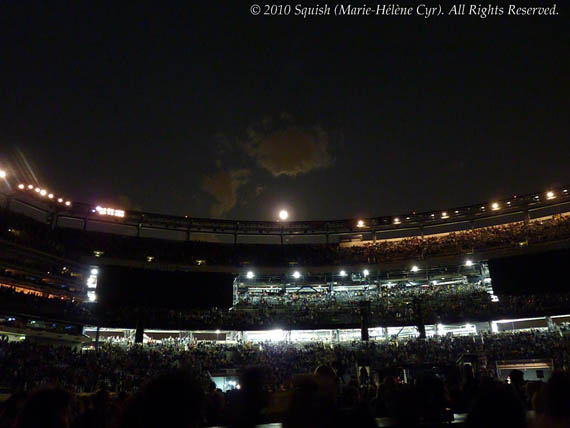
(97, 338)
(364, 320)
(139, 334)
(419, 318)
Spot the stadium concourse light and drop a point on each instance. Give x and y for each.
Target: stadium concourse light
(296, 274)
(43, 192)
(249, 275)
(30, 186)
(415, 268)
(550, 195)
(366, 272)
(283, 215)
(360, 223)
(495, 206)
(468, 263)
(342, 273)
(21, 186)
(3, 173)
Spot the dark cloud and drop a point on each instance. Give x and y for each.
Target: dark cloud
(285, 148)
(223, 187)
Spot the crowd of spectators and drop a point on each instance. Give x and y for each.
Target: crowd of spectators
(400, 305)
(75, 244)
(311, 385)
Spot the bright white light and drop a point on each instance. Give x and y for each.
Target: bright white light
(249, 275)
(59, 200)
(67, 203)
(415, 268)
(495, 206)
(440, 328)
(283, 215)
(37, 189)
(296, 274)
(468, 263)
(342, 273)
(21, 186)
(30, 186)
(444, 215)
(396, 220)
(2, 173)
(43, 192)
(94, 271)
(50, 196)
(110, 211)
(366, 272)
(91, 296)
(360, 223)
(550, 195)
(238, 386)
(217, 331)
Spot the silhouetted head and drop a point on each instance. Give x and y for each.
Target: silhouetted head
(170, 400)
(47, 408)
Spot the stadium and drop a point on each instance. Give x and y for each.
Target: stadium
(92, 278)
(240, 215)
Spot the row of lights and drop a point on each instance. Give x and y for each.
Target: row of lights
(44, 193)
(495, 206)
(468, 263)
(92, 284)
(297, 274)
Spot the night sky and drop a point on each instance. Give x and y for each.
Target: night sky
(205, 110)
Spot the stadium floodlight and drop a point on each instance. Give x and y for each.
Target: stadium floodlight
(296, 274)
(21, 186)
(59, 200)
(43, 192)
(67, 203)
(50, 196)
(495, 206)
(38, 190)
(550, 195)
(94, 271)
(360, 223)
(249, 275)
(396, 220)
(468, 263)
(342, 273)
(444, 215)
(3, 173)
(30, 187)
(366, 272)
(283, 215)
(415, 268)
(218, 331)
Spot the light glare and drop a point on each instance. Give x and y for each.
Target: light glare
(283, 215)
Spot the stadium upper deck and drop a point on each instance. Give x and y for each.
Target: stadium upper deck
(47, 207)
